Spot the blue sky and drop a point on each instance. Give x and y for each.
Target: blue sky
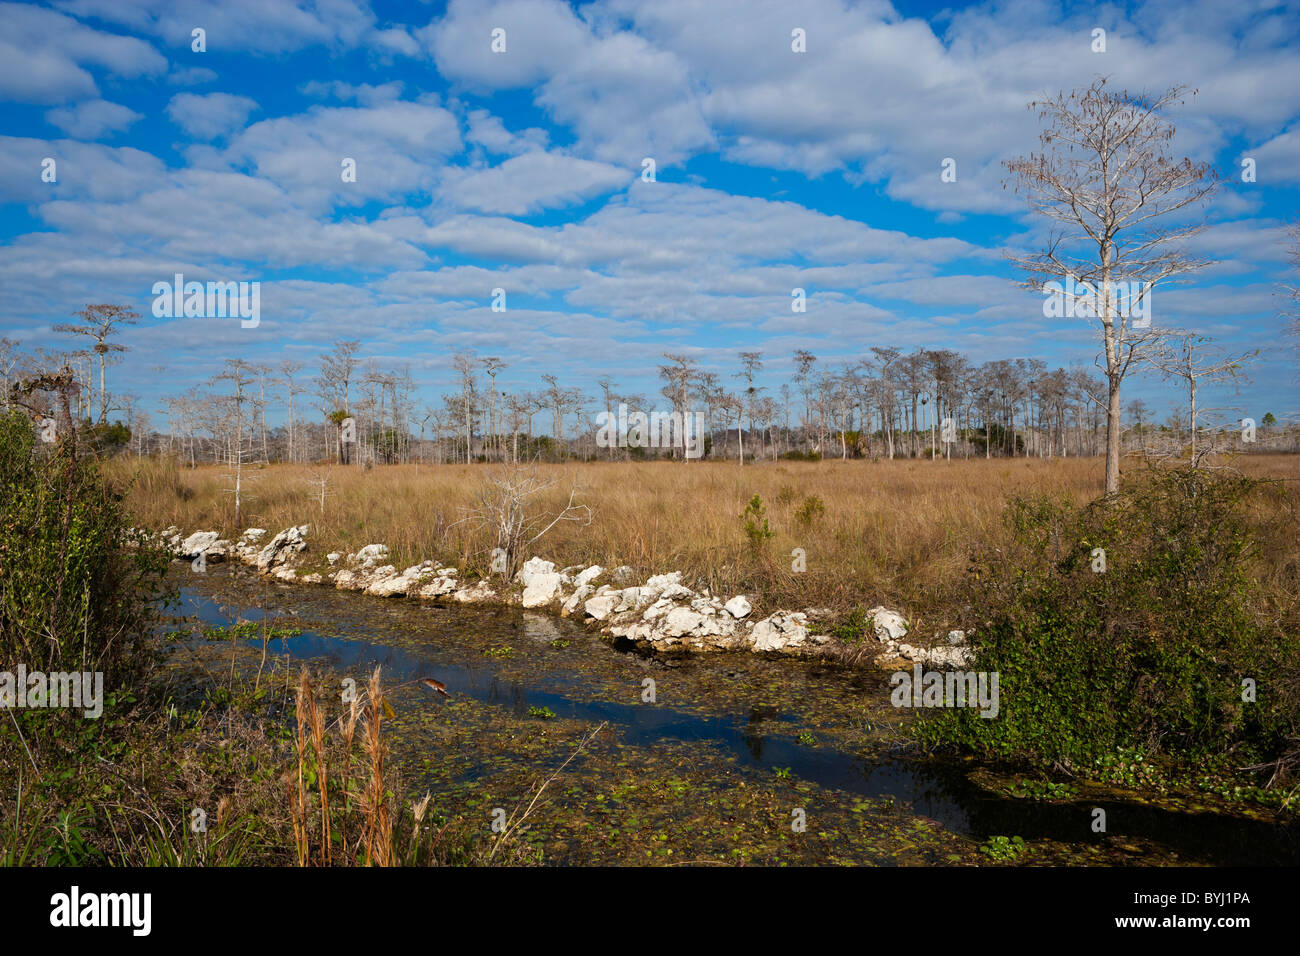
(521, 170)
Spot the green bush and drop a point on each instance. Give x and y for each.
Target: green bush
(755, 522)
(1149, 653)
(808, 512)
(73, 594)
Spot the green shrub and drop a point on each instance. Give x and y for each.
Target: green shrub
(73, 594)
(850, 629)
(808, 512)
(755, 519)
(1148, 655)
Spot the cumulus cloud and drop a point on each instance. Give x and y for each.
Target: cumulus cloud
(45, 56)
(208, 116)
(257, 26)
(398, 147)
(190, 76)
(364, 93)
(92, 119)
(531, 182)
(85, 171)
(1278, 160)
(553, 130)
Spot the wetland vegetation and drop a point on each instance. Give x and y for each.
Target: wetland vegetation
(270, 723)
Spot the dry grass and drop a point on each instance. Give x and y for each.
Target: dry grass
(896, 532)
(371, 803)
(358, 815)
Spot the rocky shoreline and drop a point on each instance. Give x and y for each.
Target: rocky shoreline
(661, 613)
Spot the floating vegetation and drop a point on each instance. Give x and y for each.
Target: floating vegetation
(1000, 849)
(735, 760)
(1042, 790)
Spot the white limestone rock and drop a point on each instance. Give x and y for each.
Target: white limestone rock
(583, 578)
(476, 594)
(532, 568)
(197, 543)
(542, 588)
(442, 584)
(576, 599)
(681, 621)
(287, 542)
(738, 607)
(783, 631)
(602, 605)
(388, 583)
(370, 555)
(889, 626)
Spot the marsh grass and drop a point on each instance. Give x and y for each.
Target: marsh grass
(898, 533)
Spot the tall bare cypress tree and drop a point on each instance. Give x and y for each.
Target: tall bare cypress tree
(1105, 176)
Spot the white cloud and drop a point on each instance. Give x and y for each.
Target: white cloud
(190, 76)
(208, 116)
(542, 36)
(877, 97)
(84, 171)
(91, 119)
(395, 40)
(44, 56)
(363, 93)
(244, 26)
(531, 182)
(489, 132)
(1278, 160)
(399, 147)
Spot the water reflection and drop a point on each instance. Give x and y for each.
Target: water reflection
(337, 629)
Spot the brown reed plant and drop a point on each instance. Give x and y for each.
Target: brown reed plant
(298, 788)
(362, 814)
(317, 812)
(317, 723)
(348, 729)
(374, 795)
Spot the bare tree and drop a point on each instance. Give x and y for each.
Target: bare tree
(1139, 411)
(1104, 175)
(99, 322)
(606, 385)
(751, 363)
(678, 377)
(10, 356)
(320, 479)
(464, 364)
(507, 508)
(287, 371)
(493, 367)
(1195, 361)
(803, 365)
(338, 368)
(240, 375)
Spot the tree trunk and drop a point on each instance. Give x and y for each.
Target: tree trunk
(1112, 435)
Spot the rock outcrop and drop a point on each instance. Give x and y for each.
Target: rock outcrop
(287, 542)
(661, 613)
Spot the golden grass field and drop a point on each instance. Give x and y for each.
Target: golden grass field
(897, 533)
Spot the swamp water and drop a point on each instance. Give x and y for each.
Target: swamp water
(734, 751)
